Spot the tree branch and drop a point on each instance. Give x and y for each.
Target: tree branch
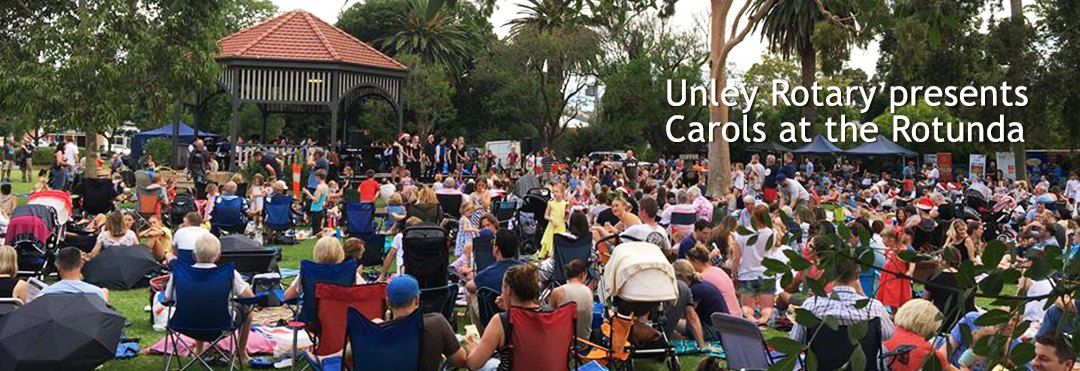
(839, 22)
(738, 17)
(750, 23)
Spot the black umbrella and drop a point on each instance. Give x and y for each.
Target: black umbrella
(239, 242)
(120, 267)
(60, 332)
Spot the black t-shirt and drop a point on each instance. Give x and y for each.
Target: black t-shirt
(947, 301)
(770, 179)
(270, 160)
(197, 161)
(630, 167)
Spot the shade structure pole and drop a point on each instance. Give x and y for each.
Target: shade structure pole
(234, 131)
(333, 124)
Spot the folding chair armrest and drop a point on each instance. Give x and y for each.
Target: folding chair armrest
(296, 325)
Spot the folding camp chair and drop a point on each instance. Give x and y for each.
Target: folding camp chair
(426, 255)
(566, 251)
(8, 305)
(311, 274)
(485, 303)
(333, 302)
(744, 345)
(227, 216)
(360, 223)
(97, 196)
(541, 340)
(391, 345)
(148, 203)
(451, 205)
(278, 217)
(682, 223)
(251, 263)
(442, 300)
(833, 348)
(204, 315)
(482, 252)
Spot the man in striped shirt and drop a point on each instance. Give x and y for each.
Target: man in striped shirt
(842, 304)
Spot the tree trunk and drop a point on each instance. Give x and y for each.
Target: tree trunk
(90, 170)
(719, 176)
(808, 60)
(1019, 149)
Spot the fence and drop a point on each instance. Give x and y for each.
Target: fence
(287, 153)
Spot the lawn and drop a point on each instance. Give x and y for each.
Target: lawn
(131, 303)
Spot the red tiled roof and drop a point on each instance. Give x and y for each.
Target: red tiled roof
(299, 35)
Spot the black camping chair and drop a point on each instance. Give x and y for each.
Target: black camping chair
(743, 343)
(251, 262)
(97, 196)
(8, 305)
(451, 205)
(426, 255)
(442, 300)
(485, 303)
(833, 348)
(482, 252)
(566, 250)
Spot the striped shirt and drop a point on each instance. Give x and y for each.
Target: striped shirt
(841, 304)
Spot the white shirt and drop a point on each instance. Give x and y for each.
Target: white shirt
(186, 237)
(397, 245)
(238, 286)
(1072, 190)
(750, 267)
(71, 153)
(739, 181)
(793, 190)
(759, 174)
(1033, 310)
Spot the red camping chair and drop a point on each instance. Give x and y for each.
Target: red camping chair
(332, 304)
(541, 340)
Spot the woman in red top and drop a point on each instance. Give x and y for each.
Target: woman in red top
(915, 322)
(894, 290)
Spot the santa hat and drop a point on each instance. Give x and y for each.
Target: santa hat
(925, 204)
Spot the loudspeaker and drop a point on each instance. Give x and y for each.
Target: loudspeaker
(530, 145)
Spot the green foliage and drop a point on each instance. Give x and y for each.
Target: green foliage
(427, 94)
(43, 155)
(160, 148)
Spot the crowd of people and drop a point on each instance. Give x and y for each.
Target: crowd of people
(717, 246)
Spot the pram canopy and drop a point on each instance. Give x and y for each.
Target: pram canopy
(639, 271)
(58, 200)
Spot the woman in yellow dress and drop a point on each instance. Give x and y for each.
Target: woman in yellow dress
(556, 220)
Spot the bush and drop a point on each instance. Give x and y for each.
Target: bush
(160, 148)
(43, 156)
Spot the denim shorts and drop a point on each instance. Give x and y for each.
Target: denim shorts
(760, 286)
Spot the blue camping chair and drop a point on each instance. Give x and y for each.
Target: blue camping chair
(184, 257)
(359, 218)
(392, 345)
(312, 273)
(482, 251)
(360, 223)
(204, 315)
(228, 216)
(279, 213)
(567, 250)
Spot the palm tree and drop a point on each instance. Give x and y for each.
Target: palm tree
(430, 30)
(789, 28)
(548, 15)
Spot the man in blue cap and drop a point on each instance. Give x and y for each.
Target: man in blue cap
(438, 339)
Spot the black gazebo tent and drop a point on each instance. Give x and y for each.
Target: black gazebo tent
(882, 147)
(819, 146)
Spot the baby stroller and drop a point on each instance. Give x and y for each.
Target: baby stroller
(639, 282)
(35, 231)
(181, 205)
(529, 221)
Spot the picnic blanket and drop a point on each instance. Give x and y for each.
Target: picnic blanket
(690, 347)
(257, 344)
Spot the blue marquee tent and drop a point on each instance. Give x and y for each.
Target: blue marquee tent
(882, 147)
(819, 146)
(187, 135)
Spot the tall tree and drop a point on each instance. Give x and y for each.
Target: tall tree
(429, 29)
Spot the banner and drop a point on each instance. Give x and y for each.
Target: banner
(1006, 162)
(976, 166)
(944, 163)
